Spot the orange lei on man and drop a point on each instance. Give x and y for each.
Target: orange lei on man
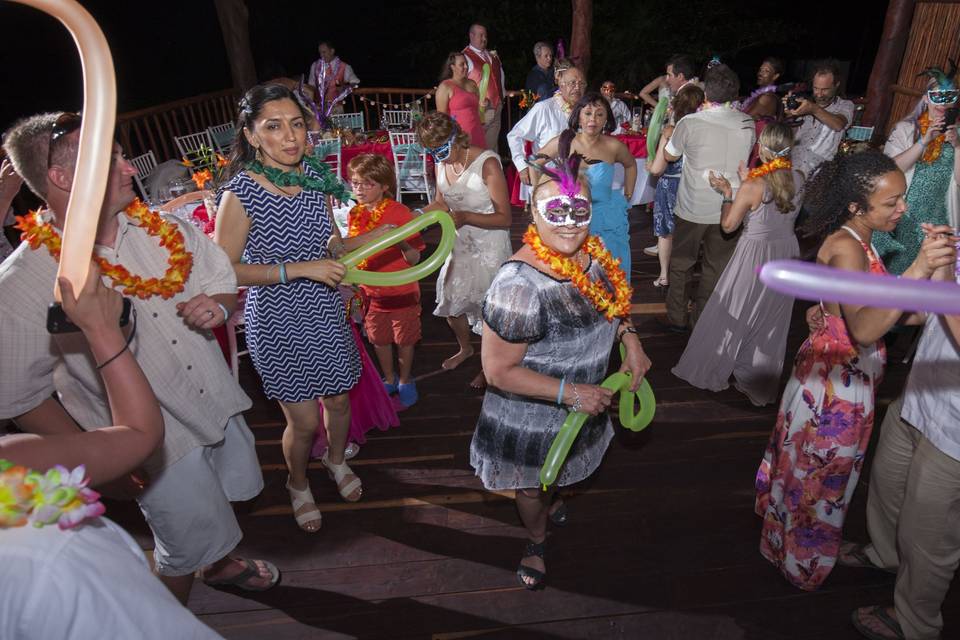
(615, 305)
(362, 219)
(769, 167)
(933, 150)
(38, 233)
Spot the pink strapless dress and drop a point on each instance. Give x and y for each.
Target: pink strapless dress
(464, 107)
(370, 406)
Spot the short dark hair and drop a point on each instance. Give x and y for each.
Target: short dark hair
(720, 83)
(589, 98)
(682, 64)
(830, 65)
(776, 63)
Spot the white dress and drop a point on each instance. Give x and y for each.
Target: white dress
(477, 253)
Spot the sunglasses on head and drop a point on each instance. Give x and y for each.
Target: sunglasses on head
(441, 153)
(943, 96)
(563, 211)
(66, 124)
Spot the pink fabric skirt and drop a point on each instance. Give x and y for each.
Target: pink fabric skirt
(370, 406)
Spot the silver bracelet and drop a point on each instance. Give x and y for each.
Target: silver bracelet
(577, 404)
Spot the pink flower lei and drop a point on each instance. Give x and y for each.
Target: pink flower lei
(58, 496)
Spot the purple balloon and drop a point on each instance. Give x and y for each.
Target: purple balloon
(818, 282)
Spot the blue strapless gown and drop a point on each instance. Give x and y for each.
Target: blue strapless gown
(609, 213)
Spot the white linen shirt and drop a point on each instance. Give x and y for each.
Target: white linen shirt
(931, 398)
(716, 139)
(185, 367)
(621, 114)
(544, 122)
(91, 581)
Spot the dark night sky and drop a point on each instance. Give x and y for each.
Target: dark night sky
(173, 49)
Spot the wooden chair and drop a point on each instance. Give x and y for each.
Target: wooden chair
(410, 165)
(145, 165)
(347, 121)
(197, 148)
(224, 137)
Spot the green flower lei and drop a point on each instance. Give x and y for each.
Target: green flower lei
(327, 182)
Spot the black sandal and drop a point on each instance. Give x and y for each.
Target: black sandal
(532, 549)
(559, 516)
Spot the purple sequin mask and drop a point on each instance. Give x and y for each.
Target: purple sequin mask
(563, 211)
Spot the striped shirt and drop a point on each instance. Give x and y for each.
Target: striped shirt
(185, 366)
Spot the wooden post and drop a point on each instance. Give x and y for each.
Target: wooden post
(886, 66)
(580, 34)
(234, 23)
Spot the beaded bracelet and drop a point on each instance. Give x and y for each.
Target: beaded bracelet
(563, 381)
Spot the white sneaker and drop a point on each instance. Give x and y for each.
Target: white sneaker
(652, 251)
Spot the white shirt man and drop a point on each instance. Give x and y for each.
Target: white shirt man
(825, 119)
(620, 111)
(543, 122)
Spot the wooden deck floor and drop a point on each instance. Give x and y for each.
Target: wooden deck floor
(662, 542)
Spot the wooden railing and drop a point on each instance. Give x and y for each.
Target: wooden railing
(154, 128)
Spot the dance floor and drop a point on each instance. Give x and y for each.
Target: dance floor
(662, 542)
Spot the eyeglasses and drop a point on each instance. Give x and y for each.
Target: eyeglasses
(579, 84)
(943, 96)
(562, 211)
(363, 186)
(66, 124)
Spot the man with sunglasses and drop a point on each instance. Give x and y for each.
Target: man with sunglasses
(207, 458)
(823, 119)
(545, 121)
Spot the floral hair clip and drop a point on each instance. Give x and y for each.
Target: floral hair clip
(777, 154)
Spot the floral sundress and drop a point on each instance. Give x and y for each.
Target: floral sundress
(813, 461)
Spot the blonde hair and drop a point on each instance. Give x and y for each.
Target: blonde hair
(775, 138)
(436, 128)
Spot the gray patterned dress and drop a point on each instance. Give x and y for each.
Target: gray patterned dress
(565, 335)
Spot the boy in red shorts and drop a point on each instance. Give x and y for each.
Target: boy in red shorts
(393, 316)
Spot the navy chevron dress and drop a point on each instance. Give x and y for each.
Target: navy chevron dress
(297, 333)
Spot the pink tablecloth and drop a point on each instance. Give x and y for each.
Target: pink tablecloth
(349, 153)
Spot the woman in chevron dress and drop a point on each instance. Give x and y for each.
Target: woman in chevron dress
(274, 222)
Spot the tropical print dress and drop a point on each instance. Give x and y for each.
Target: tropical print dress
(813, 461)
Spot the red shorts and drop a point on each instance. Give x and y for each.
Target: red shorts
(396, 326)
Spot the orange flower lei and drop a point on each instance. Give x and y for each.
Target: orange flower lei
(615, 305)
(363, 219)
(769, 167)
(38, 233)
(933, 150)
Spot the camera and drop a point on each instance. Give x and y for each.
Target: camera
(794, 99)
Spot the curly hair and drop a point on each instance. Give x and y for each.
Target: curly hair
(436, 128)
(838, 183)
